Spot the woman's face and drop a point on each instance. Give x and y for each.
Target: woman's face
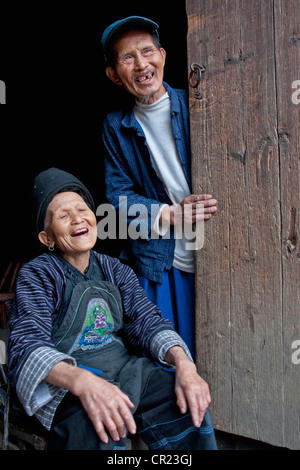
(70, 225)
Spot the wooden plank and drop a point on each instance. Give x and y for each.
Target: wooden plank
(212, 263)
(239, 270)
(287, 28)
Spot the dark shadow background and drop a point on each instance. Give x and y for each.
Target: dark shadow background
(57, 97)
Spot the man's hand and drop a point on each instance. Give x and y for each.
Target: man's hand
(191, 390)
(192, 209)
(107, 407)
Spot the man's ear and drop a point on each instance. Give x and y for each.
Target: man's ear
(44, 238)
(164, 54)
(112, 74)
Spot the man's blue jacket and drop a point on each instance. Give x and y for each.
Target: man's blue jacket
(129, 174)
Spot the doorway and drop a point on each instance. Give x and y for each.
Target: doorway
(57, 86)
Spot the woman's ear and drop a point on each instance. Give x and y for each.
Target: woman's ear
(112, 74)
(44, 239)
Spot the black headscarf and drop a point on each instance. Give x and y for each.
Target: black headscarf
(51, 182)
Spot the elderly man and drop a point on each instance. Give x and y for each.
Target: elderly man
(147, 162)
(84, 339)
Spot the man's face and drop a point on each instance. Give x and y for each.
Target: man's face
(139, 66)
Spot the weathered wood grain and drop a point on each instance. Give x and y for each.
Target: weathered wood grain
(287, 43)
(244, 276)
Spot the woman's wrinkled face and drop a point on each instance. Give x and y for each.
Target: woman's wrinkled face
(70, 225)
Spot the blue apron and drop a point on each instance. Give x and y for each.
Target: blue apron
(86, 328)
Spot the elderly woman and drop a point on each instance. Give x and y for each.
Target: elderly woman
(84, 339)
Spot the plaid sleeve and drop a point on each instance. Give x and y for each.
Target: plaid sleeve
(34, 393)
(163, 341)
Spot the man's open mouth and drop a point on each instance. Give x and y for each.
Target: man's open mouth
(145, 78)
(80, 232)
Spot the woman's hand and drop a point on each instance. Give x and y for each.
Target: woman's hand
(107, 406)
(191, 390)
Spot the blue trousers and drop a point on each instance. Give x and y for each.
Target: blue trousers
(175, 297)
(159, 422)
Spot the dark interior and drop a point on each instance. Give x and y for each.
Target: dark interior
(57, 96)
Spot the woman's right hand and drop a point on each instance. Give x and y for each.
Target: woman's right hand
(107, 406)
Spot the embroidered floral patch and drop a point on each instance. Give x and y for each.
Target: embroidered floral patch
(98, 327)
